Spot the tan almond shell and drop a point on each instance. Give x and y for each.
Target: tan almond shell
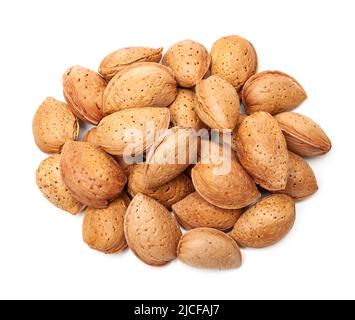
(241, 118)
(151, 231)
(234, 59)
(209, 248)
(273, 92)
(91, 137)
(218, 103)
(167, 194)
(301, 182)
(266, 223)
(103, 229)
(126, 166)
(168, 148)
(53, 125)
(50, 182)
(232, 190)
(84, 90)
(194, 212)
(111, 131)
(93, 176)
(303, 135)
(183, 110)
(122, 58)
(189, 61)
(145, 84)
(262, 151)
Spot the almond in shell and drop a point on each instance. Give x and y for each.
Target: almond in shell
(234, 59)
(167, 194)
(303, 135)
(151, 231)
(194, 212)
(189, 61)
(273, 92)
(262, 151)
(103, 228)
(222, 181)
(91, 137)
(131, 130)
(301, 182)
(171, 155)
(93, 176)
(122, 58)
(50, 182)
(183, 110)
(265, 223)
(53, 125)
(209, 248)
(84, 90)
(145, 84)
(218, 103)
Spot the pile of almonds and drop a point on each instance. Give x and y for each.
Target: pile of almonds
(250, 205)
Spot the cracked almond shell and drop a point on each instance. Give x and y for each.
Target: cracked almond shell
(103, 229)
(183, 110)
(167, 194)
(145, 84)
(262, 151)
(189, 61)
(194, 212)
(112, 131)
(222, 181)
(122, 58)
(90, 174)
(84, 90)
(166, 160)
(53, 125)
(273, 92)
(218, 103)
(152, 233)
(301, 182)
(50, 182)
(303, 135)
(209, 248)
(234, 59)
(266, 223)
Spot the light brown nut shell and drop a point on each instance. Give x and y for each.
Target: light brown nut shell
(103, 229)
(301, 182)
(167, 194)
(265, 223)
(53, 125)
(167, 159)
(151, 231)
(92, 175)
(50, 182)
(122, 58)
(234, 59)
(234, 189)
(189, 61)
(145, 84)
(112, 129)
(209, 248)
(303, 135)
(241, 118)
(262, 151)
(194, 212)
(218, 103)
(91, 137)
(84, 90)
(273, 92)
(183, 110)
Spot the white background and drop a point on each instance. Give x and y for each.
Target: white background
(41, 251)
